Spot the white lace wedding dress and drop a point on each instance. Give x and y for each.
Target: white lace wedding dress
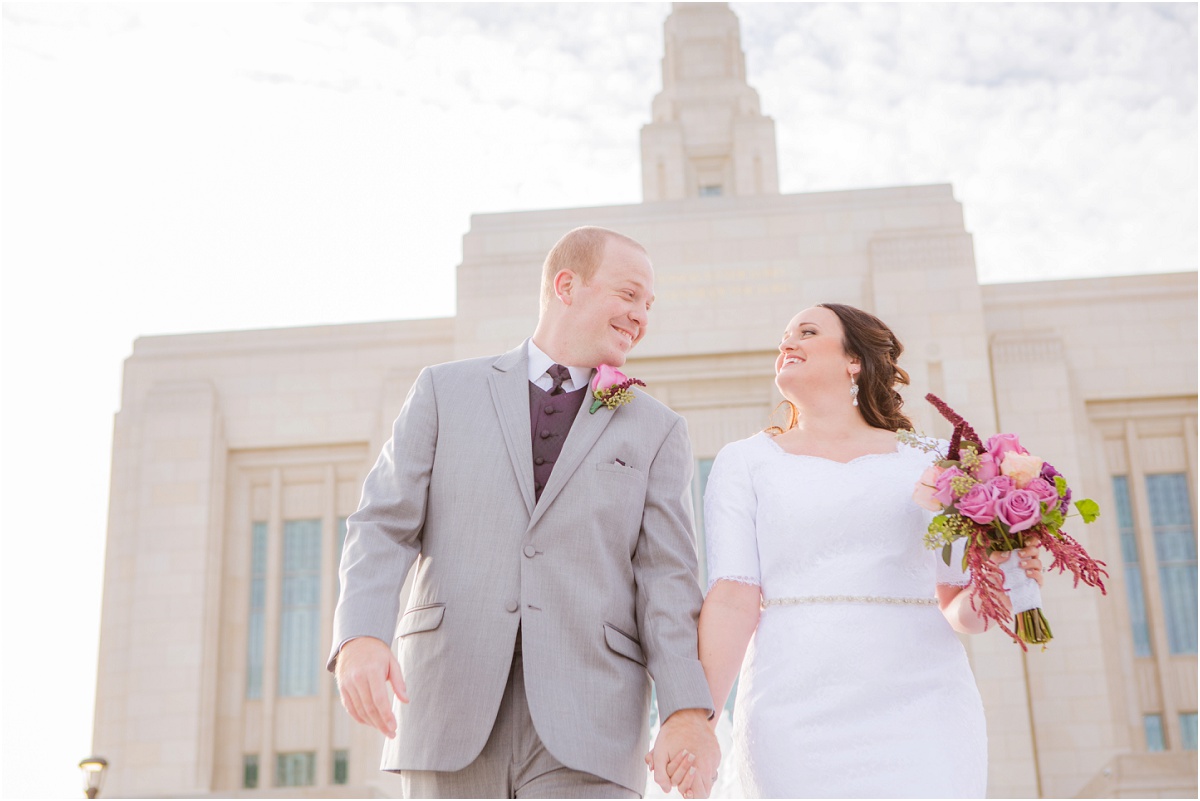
(842, 698)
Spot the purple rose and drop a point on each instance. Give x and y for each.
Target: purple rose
(1049, 471)
(1045, 491)
(944, 493)
(979, 503)
(999, 445)
(1019, 510)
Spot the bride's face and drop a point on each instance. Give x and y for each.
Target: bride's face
(812, 358)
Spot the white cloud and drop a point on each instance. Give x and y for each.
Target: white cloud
(1068, 131)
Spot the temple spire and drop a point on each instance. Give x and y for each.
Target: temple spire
(708, 135)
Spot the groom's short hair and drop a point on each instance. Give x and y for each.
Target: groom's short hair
(580, 250)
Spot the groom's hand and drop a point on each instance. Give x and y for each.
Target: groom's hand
(687, 730)
(365, 667)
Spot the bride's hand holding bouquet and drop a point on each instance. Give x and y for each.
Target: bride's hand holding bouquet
(1000, 498)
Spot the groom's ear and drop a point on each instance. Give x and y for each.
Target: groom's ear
(565, 282)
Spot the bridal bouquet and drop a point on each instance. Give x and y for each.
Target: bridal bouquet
(998, 496)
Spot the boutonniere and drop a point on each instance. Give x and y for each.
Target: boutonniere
(610, 387)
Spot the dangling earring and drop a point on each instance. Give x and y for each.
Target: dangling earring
(853, 391)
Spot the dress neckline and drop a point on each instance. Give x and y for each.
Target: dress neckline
(779, 448)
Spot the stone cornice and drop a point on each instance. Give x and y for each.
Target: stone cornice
(1107, 289)
(693, 209)
(395, 333)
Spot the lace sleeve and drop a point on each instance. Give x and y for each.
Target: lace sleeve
(730, 508)
(953, 573)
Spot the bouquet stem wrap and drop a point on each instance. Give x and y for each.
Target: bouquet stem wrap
(1026, 598)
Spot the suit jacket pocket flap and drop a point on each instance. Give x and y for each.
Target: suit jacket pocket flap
(423, 618)
(624, 645)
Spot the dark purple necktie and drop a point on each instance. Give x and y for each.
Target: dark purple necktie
(559, 374)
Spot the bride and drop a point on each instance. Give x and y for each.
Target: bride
(822, 593)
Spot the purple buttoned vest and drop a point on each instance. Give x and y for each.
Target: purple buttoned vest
(550, 419)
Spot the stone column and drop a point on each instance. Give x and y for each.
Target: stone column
(923, 284)
(1072, 709)
(157, 677)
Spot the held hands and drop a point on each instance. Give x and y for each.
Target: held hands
(365, 667)
(685, 754)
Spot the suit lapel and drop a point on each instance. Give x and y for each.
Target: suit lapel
(509, 384)
(585, 431)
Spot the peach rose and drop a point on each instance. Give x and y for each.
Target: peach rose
(1021, 468)
(926, 486)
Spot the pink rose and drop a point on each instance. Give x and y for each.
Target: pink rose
(1000, 445)
(979, 503)
(1046, 492)
(1019, 510)
(987, 469)
(1021, 467)
(606, 377)
(926, 484)
(944, 492)
(1002, 485)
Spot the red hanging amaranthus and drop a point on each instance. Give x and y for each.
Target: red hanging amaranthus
(1069, 555)
(985, 592)
(962, 429)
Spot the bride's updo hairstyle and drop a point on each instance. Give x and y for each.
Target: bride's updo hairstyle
(868, 338)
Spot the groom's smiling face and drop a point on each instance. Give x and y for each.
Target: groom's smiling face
(609, 313)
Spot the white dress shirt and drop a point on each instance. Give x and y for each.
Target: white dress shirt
(539, 363)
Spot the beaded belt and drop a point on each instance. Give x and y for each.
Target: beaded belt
(848, 599)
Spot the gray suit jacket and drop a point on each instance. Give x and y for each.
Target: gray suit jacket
(600, 574)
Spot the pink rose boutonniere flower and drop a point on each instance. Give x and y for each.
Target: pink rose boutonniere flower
(611, 388)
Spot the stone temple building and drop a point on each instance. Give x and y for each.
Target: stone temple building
(237, 457)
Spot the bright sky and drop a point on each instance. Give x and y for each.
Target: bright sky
(172, 168)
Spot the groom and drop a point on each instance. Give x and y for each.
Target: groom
(555, 563)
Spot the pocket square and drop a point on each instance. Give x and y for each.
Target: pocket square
(618, 461)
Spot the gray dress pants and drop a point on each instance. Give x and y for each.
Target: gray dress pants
(513, 764)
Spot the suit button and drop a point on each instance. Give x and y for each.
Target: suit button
(548, 410)
(539, 461)
(529, 551)
(538, 487)
(546, 434)
(511, 606)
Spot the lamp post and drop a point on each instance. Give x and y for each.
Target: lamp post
(93, 774)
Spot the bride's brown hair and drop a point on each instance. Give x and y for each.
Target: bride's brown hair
(867, 338)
